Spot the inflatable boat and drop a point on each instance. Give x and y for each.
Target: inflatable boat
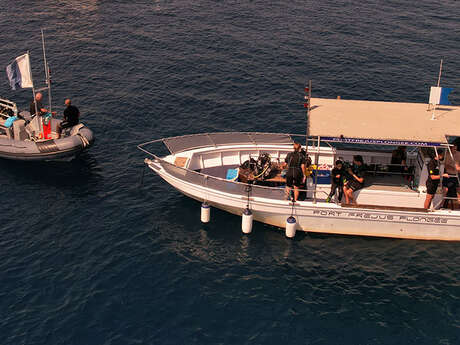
(34, 138)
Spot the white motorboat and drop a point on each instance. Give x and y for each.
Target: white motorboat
(389, 205)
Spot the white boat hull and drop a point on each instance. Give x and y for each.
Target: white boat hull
(327, 218)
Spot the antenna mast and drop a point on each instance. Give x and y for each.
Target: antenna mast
(307, 105)
(440, 71)
(47, 72)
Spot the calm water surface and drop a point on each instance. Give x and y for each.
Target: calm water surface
(89, 257)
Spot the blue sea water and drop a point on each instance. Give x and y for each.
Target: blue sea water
(88, 256)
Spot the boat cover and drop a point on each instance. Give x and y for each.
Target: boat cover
(403, 123)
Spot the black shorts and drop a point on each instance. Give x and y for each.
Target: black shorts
(294, 177)
(431, 186)
(450, 182)
(354, 185)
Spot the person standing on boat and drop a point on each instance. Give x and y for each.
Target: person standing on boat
(295, 177)
(337, 175)
(452, 169)
(398, 160)
(356, 179)
(432, 182)
(71, 117)
(40, 108)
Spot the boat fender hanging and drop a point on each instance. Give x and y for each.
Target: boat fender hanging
(291, 225)
(205, 212)
(246, 221)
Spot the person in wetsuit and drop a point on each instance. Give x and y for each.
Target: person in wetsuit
(337, 175)
(295, 164)
(40, 108)
(71, 117)
(452, 169)
(355, 179)
(399, 159)
(432, 182)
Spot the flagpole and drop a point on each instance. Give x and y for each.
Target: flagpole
(40, 126)
(440, 71)
(307, 131)
(32, 81)
(47, 75)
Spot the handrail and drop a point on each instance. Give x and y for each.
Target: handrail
(161, 160)
(251, 139)
(141, 146)
(212, 143)
(9, 105)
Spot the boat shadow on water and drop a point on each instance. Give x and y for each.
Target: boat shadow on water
(83, 170)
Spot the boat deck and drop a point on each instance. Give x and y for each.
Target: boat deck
(391, 183)
(218, 171)
(381, 182)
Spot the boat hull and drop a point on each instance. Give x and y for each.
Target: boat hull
(327, 218)
(51, 150)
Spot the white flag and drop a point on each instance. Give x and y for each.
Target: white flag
(18, 72)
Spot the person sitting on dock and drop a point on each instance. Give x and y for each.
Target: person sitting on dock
(71, 117)
(356, 179)
(337, 175)
(452, 169)
(432, 182)
(295, 177)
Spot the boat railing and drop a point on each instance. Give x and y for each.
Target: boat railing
(196, 178)
(203, 140)
(7, 105)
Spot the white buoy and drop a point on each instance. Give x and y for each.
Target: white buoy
(205, 212)
(291, 225)
(246, 221)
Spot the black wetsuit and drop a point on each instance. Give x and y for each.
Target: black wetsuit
(71, 117)
(32, 108)
(397, 157)
(337, 182)
(433, 169)
(294, 175)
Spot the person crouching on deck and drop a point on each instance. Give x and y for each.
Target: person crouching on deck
(355, 179)
(295, 177)
(337, 175)
(432, 182)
